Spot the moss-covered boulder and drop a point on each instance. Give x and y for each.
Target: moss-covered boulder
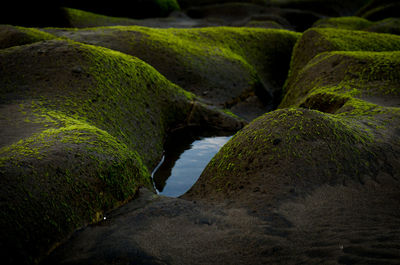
(15, 36)
(290, 152)
(350, 23)
(84, 19)
(341, 131)
(340, 76)
(81, 19)
(318, 40)
(81, 128)
(389, 25)
(222, 65)
(130, 9)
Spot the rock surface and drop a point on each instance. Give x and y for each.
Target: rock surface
(84, 114)
(250, 61)
(81, 129)
(388, 25)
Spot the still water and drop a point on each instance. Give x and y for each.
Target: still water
(184, 160)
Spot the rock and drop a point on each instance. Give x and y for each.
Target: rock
(334, 142)
(342, 76)
(83, 125)
(315, 41)
(248, 61)
(15, 36)
(82, 129)
(389, 25)
(350, 23)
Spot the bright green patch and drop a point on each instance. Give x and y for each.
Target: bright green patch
(80, 18)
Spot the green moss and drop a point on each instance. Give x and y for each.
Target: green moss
(79, 18)
(248, 58)
(317, 41)
(14, 36)
(350, 23)
(330, 134)
(290, 138)
(104, 117)
(350, 40)
(35, 34)
(388, 25)
(353, 74)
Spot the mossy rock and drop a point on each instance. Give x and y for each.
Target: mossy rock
(371, 76)
(290, 152)
(82, 127)
(130, 9)
(389, 25)
(342, 127)
(223, 65)
(350, 23)
(84, 19)
(15, 36)
(318, 40)
(80, 19)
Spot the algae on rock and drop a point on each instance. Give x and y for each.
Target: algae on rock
(83, 125)
(338, 124)
(248, 61)
(388, 25)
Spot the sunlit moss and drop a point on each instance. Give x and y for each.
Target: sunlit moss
(80, 18)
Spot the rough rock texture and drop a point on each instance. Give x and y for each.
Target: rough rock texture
(249, 61)
(81, 129)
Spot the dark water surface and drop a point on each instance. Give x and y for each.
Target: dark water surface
(186, 156)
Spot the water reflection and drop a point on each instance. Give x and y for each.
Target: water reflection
(186, 156)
